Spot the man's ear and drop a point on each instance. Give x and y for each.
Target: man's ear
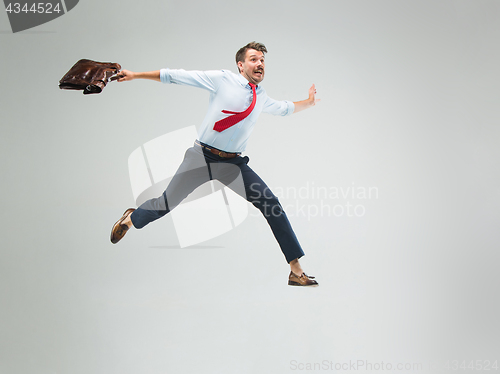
(240, 66)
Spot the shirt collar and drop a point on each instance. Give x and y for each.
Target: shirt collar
(244, 82)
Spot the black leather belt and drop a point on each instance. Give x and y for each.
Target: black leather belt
(217, 152)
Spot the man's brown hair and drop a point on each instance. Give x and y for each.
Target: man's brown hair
(240, 55)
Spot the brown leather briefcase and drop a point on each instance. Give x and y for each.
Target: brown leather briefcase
(89, 76)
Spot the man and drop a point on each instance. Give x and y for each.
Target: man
(236, 100)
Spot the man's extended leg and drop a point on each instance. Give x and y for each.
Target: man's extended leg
(192, 173)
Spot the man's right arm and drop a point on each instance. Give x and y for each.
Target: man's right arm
(127, 75)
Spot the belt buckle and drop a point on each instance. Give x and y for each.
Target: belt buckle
(222, 154)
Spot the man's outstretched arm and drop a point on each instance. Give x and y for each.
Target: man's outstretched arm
(127, 75)
(304, 104)
(208, 80)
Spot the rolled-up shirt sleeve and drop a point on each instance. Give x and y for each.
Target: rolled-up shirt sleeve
(278, 108)
(208, 80)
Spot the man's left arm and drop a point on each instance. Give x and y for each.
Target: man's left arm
(285, 107)
(304, 104)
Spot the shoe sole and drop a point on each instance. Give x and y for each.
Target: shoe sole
(292, 283)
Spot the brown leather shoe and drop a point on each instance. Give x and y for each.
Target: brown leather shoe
(303, 280)
(118, 231)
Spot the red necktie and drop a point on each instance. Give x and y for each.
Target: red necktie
(236, 117)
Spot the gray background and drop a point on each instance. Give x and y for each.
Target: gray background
(409, 105)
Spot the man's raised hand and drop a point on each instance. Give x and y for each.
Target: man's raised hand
(304, 104)
(312, 95)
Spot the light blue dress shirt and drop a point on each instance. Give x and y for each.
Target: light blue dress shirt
(228, 91)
